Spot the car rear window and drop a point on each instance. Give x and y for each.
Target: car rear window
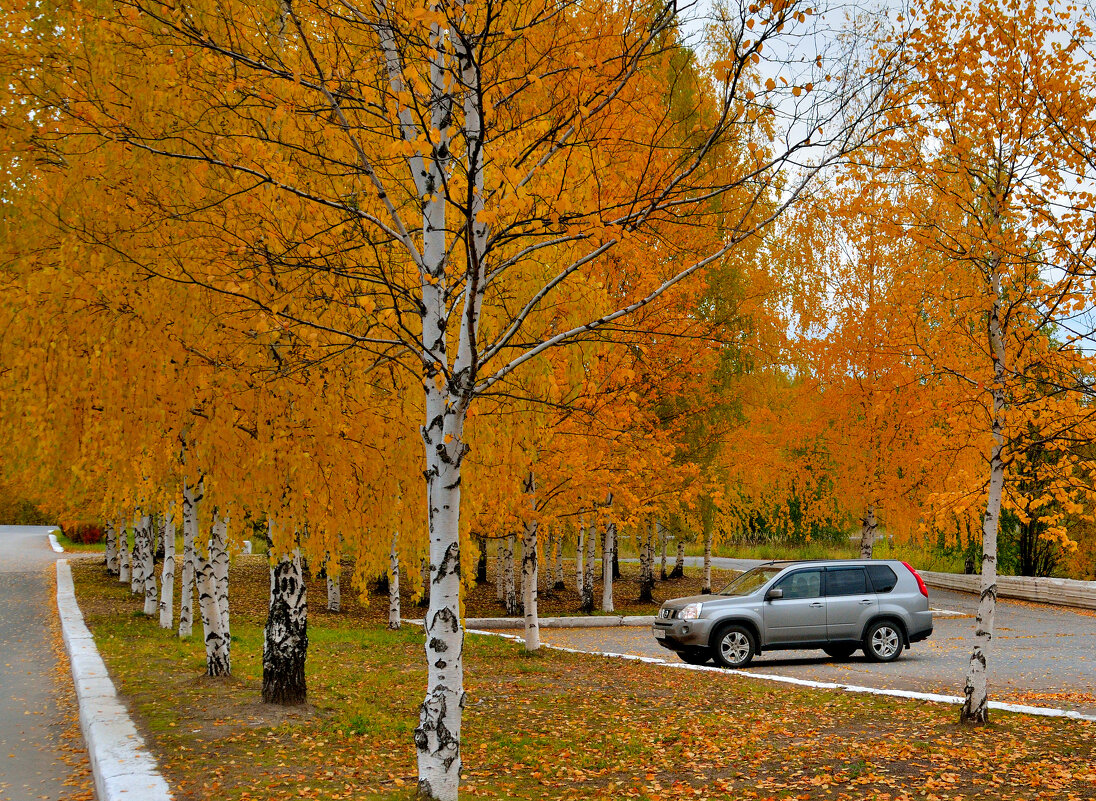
(846, 581)
(882, 578)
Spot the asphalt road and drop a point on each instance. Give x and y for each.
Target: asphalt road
(1041, 655)
(36, 761)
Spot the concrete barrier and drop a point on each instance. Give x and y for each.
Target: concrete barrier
(1063, 592)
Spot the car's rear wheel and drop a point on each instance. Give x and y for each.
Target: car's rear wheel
(883, 641)
(843, 651)
(734, 646)
(695, 657)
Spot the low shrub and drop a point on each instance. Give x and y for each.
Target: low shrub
(85, 533)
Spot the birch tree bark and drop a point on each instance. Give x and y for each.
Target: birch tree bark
(607, 551)
(679, 562)
(663, 541)
(591, 558)
(394, 583)
(646, 564)
(529, 585)
(976, 689)
(510, 580)
(707, 588)
(867, 533)
(500, 571)
(148, 566)
(217, 661)
(332, 568)
(112, 550)
(218, 557)
(190, 537)
(167, 578)
(285, 640)
(136, 580)
(579, 548)
(424, 579)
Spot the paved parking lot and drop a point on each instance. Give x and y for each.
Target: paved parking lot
(1041, 655)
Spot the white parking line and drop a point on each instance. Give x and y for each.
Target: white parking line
(821, 685)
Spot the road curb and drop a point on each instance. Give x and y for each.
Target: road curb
(122, 766)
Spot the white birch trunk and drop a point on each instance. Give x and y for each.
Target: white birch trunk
(216, 662)
(190, 537)
(560, 582)
(112, 550)
(334, 591)
(529, 586)
(424, 580)
(579, 546)
(868, 526)
(136, 580)
(663, 542)
(124, 567)
(707, 588)
(591, 559)
(679, 562)
(148, 567)
(285, 638)
(394, 584)
(218, 556)
(167, 578)
(976, 690)
(510, 581)
(607, 568)
(500, 591)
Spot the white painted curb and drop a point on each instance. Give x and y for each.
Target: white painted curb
(53, 543)
(123, 768)
(1041, 711)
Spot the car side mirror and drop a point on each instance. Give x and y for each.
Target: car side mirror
(774, 594)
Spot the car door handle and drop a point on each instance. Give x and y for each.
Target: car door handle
(816, 605)
(866, 601)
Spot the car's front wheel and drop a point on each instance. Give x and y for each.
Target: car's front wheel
(883, 641)
(734, 646)
(842, 651)
(695, 657)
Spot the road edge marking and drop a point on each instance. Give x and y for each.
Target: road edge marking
(53, 543)
(121, 764)
(1041, 711)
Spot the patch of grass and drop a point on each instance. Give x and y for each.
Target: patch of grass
(546, 726)
(77, 547)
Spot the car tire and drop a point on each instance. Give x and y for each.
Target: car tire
(734, 646)
(842, 651)
(883, 641)
(695, 657)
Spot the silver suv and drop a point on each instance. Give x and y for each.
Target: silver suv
(838, 606)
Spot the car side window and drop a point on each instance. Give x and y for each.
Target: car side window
(846, 581)
(882, 578)
(801, 584)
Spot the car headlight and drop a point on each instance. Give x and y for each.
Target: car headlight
(689, 612)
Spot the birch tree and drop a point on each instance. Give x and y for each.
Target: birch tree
(509, 139)
(1002, 228)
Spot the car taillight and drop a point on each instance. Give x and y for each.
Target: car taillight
(920, 581)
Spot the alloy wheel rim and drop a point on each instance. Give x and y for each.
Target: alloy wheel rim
(884, 642)
(735, 647)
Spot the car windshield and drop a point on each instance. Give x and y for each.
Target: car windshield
(750, 581)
